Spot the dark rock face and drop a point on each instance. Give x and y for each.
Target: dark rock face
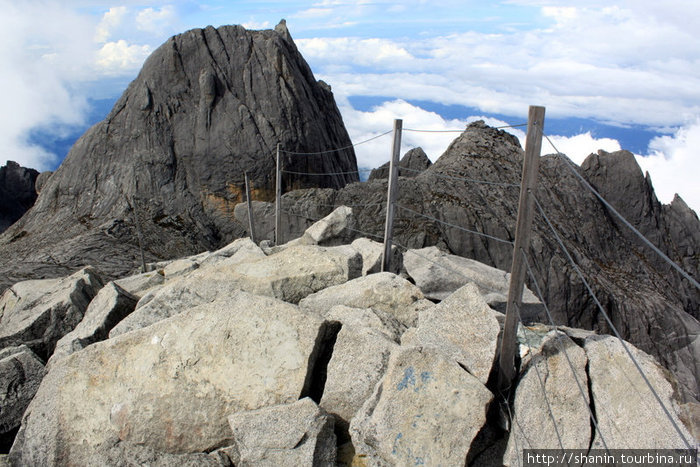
(673, 228)
(21, 372)
(651, 304)
(166, 167)
(17, 192)
(411, 164)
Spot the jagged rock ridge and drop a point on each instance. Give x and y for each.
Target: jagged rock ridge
(650, 304)
(17, 192)
(410, 165)
(166, 167)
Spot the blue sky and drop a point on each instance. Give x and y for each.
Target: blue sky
(613, 74)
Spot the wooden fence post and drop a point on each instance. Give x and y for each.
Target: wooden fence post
(251, 224)
(533, 146)
(392, 190)
(278, 199)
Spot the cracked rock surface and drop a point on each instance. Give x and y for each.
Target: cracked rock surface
(253, 377)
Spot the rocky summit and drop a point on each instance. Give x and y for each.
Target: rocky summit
(166, 167)
(474, 185)
(301, 355)
(227, 351)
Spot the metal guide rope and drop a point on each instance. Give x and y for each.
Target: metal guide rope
(563, 349)
(365, 205)
(585, 183)
(454, 226)
(318, 153)
(610, 323)
(549, 407)
(461, 131)
(514, 422)
(453, 177)
(326, 173)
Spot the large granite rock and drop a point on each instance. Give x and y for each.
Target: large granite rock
(289, 275)
(621, 423)
(40, 312)
(21, 372)
(359, 360)
(111, 305)
(550, 411)
(166, 167)
(115, 452)
(171, 386)
(426, 411)
(294, 434)
(464, 328)
(17, 192)
(373, 254)
(439, 274)
(383, 291)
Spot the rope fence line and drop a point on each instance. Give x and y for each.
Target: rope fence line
(329, 151)
(326, 173)
(641, 236)
(455, 226)
(610, 323)
(365, 205)
(461, 131)
(549, 406)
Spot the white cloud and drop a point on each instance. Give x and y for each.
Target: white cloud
(380, 119)
(252, 24)
(578, 147)
(42, 47)
(381, 53)
(117, 57)
(313, 13)
(586, 62)
(674, 165)
(110, 20)
(156, 21)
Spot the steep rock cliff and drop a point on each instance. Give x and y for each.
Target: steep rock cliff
(166, 167)
(17, 193)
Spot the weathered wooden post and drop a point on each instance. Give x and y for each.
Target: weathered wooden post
(249, 201)
(533, 146)
(278, 199)
(392, 190)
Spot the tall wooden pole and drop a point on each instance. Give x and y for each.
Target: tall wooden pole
(249, 201)
(533, 146)
(278, 199)
(392, 189)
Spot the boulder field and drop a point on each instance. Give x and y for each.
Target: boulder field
(303, 354)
